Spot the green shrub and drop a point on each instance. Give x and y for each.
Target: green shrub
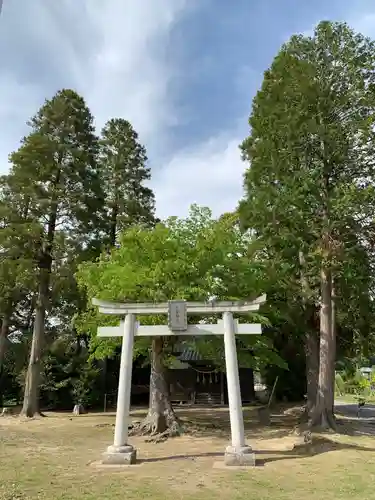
(355, 383)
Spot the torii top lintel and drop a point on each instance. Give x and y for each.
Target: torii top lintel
(213, 307)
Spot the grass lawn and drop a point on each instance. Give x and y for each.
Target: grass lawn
(57, 458)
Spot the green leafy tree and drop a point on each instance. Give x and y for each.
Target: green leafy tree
(310, 185)
(55, 170)
(192, 259)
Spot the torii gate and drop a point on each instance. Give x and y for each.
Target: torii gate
(121, 452)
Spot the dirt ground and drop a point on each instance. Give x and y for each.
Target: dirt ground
(58, 457)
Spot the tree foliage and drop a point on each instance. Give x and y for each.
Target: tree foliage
(195, 258)
(124, 171)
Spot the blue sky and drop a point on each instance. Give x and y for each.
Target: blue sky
(182, 71)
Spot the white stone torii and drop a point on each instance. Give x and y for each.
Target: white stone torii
(121, 452)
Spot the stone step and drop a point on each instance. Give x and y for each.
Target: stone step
(206, 398)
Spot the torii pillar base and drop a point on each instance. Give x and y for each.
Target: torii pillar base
(242, 456)
(120, 455)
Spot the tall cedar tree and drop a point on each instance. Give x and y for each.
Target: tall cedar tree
(55, 168)
(124, 171)
(310, 185)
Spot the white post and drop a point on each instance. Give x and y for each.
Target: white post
(238, 453)
(121, 451)
(125, 382)
(233, 382)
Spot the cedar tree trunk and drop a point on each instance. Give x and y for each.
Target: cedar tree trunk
(31, 395)
(3, 339)
(311, 343)
(3, 344)
(333, 326)
(323, 414)
(312, 369)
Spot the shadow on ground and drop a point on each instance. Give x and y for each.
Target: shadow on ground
(180, 457)
(354, 423)
(319, 446)
(207, 422)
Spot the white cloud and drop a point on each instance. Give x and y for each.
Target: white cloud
(110, 51)
(130, 72)
(209, 174)
(114, 53)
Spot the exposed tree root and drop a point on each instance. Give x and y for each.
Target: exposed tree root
(158, 428)
(163, 436)
(316, 422)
